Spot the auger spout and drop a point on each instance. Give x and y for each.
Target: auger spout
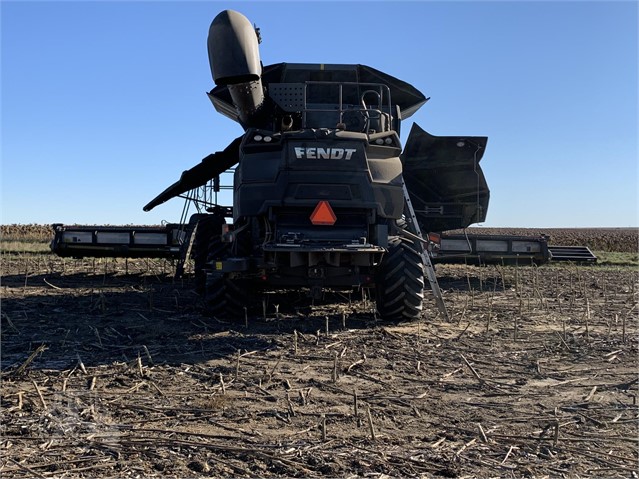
(235, 63)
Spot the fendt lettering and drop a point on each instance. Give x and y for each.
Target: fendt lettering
(316, 153)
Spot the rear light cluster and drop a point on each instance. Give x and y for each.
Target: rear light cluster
(265, 138)
(384, 140)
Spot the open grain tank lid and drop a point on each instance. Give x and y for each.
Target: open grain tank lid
(444, 180)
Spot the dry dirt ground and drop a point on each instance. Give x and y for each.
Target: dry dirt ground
(109, 369)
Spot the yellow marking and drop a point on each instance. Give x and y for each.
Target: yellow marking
(321, 66)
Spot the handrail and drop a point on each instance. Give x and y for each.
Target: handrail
(381, 91)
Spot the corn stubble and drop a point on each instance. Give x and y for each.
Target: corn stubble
(110, 369)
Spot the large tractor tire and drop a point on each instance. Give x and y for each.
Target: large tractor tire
(225, 296)
(399, 281)
(207, 228)
(214, 295)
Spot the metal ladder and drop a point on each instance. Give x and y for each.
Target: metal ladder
(429, 271)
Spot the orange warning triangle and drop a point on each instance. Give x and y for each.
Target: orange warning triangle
(323, 214)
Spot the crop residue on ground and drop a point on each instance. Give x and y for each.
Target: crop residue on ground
(110, 369)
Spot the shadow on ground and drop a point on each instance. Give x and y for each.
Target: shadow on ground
(101, 319)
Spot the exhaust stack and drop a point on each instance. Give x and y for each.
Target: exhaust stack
(235, 63)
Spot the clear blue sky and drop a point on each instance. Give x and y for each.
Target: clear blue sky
(104, 103)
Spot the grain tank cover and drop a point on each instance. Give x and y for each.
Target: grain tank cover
(405, 96)
(444, 180)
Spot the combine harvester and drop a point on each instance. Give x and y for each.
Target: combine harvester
(324, 197)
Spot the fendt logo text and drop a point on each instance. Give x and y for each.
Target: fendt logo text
(324, 153)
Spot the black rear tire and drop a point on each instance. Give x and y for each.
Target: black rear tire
(226, 296)
(214, 294)
(207, 228)
(399, 287)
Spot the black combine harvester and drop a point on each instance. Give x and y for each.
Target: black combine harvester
(324, 198)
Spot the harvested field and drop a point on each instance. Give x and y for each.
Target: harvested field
(109, 369)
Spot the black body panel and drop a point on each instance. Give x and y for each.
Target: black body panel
(444, 179)
(298, 169)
